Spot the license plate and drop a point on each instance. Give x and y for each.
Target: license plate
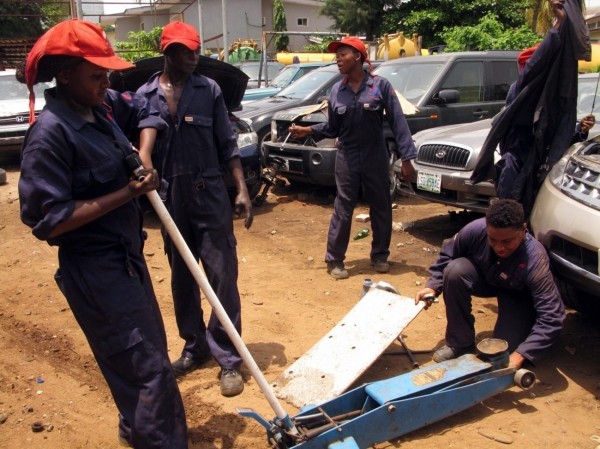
(430, 182)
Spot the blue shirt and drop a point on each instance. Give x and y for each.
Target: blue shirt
(356, 119)
(65, 159)
(200, 137)
(527, 269)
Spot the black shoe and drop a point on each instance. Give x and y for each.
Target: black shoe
(232, 382)
(185, 365)
(448, 353)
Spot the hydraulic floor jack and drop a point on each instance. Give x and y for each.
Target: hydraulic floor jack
(384, 410)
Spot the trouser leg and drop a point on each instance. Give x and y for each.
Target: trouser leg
(516, 317)
(348, 188)
(219, 259)
(510, 169)
(377, 194)
(461, 280)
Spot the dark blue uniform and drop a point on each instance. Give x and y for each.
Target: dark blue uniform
(102, 271)
(530, 310)
(362, 159)
(199, 141)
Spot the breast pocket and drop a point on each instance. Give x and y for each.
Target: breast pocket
(94, 179)
(199, 130)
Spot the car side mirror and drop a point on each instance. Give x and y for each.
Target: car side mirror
(447, 96)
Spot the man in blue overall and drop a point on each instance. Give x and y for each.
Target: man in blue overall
(190, 157)
(495, 256)
(355, 117)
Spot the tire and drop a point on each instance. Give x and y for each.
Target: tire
(394, 184)
(576, 299)
(2, 176)
(264, 135)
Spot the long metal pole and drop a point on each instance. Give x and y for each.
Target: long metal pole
(79, 10)
(218, 309)
(225, 40)
(200, 27)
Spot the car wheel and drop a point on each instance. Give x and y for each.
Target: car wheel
(578, 300)
(2, 176)
(264, 135)
(394, 187)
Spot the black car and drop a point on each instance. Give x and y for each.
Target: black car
(232, 82)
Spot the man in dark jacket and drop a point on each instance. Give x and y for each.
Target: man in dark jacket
(536, 127)
(495, 256)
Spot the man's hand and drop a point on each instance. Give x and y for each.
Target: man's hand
(421, 294)
(243, 204)
(516, 360)
(408, 170)
(587, 122)
(149, 181)
(558, 11)
(298, 132)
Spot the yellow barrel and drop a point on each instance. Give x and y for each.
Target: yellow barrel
(398, 46)
(288, 58)
(594, 64)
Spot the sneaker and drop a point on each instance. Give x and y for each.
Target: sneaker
(185, 365)
(381, 266)
(337, 270)
(448, 353)
(232, 382)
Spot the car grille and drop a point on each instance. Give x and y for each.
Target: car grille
(581, 180)
(441, 155)
(283, 134)
(577, 255)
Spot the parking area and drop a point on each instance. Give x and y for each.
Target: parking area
(48, 374)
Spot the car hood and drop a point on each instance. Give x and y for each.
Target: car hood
(230, 79)
(19, 106)
(265, 105)
(466, 134)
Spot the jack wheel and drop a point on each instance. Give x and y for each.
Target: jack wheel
(524, 379)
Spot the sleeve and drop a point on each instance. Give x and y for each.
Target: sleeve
(44, 185)
(331, 128)
(548, 306)
(225, 138)
(578, 135)
(132, 112)
(540, 60)
(405, 146)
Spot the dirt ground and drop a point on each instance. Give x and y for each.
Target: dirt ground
(47, 373)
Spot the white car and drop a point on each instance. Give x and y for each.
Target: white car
(566, 219)
(14, 109)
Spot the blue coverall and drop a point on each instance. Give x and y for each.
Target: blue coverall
(530, 309)
(199, 141)
(102, 271)
(362, 161)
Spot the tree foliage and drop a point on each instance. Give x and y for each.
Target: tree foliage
(489, 34)
(356, 17)
(141, 44)
(32, 18)
(280, 24)
(431, 18)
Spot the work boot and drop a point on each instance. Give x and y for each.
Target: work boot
(448, 353)
(185, 365)
(337, 270)
(381, 266)
(232, 382)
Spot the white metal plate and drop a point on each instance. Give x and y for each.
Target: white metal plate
(348, 350)
(431, 182)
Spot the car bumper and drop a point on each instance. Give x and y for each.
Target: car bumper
(315, 165)
(456, 189)
(572, 261)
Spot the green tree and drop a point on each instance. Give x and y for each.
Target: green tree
(489, 34)
(356, 16)
(431, 18)
(141, 44)
(279, 24)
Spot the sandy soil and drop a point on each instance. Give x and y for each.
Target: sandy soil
(47, 373)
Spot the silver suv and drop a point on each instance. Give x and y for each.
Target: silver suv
(566, 219)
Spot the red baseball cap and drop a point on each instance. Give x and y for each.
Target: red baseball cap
(179, 33)
(350, 41)
(72, 37)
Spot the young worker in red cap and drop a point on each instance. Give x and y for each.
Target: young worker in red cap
(189, 158)
(356, 113)
(76, 192)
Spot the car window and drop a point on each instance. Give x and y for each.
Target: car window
(467, 78)
(308, 84)
(11, 89)
(504, 73)
(252, 70)
(588, 99)
(410, 80)
(284, 76)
